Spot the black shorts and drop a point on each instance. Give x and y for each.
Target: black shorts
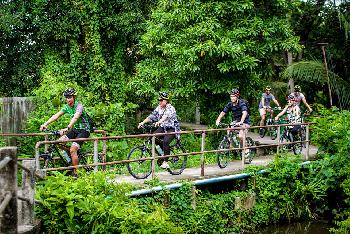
(78, 133)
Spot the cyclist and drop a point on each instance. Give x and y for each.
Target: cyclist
(293, 113)
(264, 105)
(300, 97)
(239, 111)
(78, 126)
(165, 119)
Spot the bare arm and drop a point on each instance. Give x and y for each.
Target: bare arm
(244, 115)
(51, 119)
(222, 114)
(306, 104)
(276, 102)
(281, 113)
(74, 120)
(147, 120)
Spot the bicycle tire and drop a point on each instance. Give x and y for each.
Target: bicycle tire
(177, 164)
(139, 169)
(250, 153)
(296, 147)
(262, 132)
(84, 160)
(46, 161)
(223, 157)
(284, 139)
(272, 130)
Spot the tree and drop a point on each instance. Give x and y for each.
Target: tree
(208, 47)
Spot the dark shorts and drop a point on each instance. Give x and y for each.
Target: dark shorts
(78, 133)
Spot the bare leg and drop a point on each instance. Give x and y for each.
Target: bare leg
(75, 160)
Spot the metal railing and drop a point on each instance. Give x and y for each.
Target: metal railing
(154, 156)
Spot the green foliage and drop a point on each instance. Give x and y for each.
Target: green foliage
(212, 46)
(90, 204)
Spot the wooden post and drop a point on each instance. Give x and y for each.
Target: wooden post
(26, 208)
(8, 185)
(194, 197)
(202, 153)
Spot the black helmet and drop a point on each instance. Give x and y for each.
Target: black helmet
(297, 88)
(234, 92)
(69, 92)
(291, 97)
(163, 96)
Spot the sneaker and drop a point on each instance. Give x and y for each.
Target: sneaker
(165, 165)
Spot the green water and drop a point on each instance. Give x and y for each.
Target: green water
(296, 228)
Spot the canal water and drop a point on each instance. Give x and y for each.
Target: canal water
(296, 228)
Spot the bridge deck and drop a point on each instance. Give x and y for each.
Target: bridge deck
(211, 171)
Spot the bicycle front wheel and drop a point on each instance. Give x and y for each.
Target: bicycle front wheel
(178, 163)
(283, 140)
(272, 130)
(297, 147)
(223, 157)
(139, 169)
(249, 153)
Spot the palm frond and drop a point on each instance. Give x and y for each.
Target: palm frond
(314, 72)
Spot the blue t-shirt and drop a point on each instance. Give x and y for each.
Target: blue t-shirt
(267, 99)
(237, 111)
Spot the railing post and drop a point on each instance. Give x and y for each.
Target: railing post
(278, 137)
(153, 156)
(307, 142)
(104, 150)
(8, 189)
(25, 208)
(202, 153)
(243, 147)
(96, 154)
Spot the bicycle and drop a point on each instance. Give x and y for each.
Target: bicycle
(232, 141)
(287, 137)
(271, 130)
(55, 152)
(141, 168)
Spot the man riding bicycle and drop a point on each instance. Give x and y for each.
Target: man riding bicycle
(264, 105)
(239, 111)
(78, 126)
(293, 114)
(300, 97)
(165, 118)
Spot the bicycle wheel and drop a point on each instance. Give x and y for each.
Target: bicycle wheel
(140, 169)
(262, 132)
(272, 130)
(284, 139)
(223, 157)
(296, 147)
(46, 161)
(85, 159)
(250, 153)
(178, 163)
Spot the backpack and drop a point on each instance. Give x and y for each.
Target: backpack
(247, 104)
(90, 122)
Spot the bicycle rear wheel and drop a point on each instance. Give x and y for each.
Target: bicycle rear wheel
(250, 153)
(85, 159)
(272, 130)
(178, 163)
(139, 169)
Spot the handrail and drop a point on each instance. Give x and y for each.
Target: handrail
(5, 202)
(155, 157)
(4, 162)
